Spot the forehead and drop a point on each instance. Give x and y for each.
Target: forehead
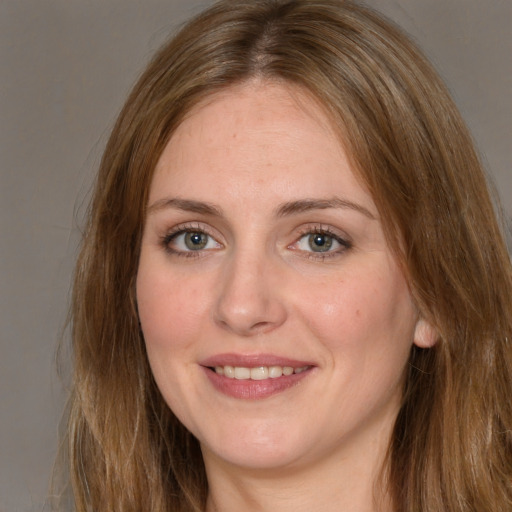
(254, 106)
(259, 138)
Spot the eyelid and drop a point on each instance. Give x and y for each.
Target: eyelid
(343, 239)
(188, 227)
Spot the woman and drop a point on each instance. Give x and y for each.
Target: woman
(292, 292)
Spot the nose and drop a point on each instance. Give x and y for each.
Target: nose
(249, 300)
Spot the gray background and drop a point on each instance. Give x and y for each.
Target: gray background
(66, 66)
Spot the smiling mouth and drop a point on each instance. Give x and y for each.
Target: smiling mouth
(257, 372)
(255, 381)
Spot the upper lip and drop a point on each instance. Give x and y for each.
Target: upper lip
(252, 361)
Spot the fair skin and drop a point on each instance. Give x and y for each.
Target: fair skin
(262, 251)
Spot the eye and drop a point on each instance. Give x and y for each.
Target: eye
(321, 243)
(186, 241)
(318, 242)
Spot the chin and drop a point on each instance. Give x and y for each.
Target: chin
(256, 447)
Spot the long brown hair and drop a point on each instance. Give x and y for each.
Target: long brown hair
(452, 444)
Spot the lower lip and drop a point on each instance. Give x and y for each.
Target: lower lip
(254, 389)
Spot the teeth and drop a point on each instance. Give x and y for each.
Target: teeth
(257, 373)
(242, 373)
(229, 372)
(275, 371)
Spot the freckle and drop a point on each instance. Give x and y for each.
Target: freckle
(358, 312)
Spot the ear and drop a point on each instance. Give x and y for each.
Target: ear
(425, 335)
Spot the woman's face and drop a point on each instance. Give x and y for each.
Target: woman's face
(276, 320)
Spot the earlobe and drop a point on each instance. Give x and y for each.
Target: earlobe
(425, 335)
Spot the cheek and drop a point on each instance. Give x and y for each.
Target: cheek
(169, 308)
(169, 312)
(363, 311)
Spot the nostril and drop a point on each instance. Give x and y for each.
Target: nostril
(260, 326)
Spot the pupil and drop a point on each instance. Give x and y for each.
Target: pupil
(319, 242)
(195, 241)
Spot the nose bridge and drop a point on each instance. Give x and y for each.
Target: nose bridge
(249, 301)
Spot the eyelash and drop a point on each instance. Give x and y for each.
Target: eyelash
(324, 230)
(345, 244)
(168, 238)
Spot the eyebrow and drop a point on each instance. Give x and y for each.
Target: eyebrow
(284, 210)
(187, 205)
(305, 205)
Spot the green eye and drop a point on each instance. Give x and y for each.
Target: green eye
(320, 242)
(195, 241)
(186, 241)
